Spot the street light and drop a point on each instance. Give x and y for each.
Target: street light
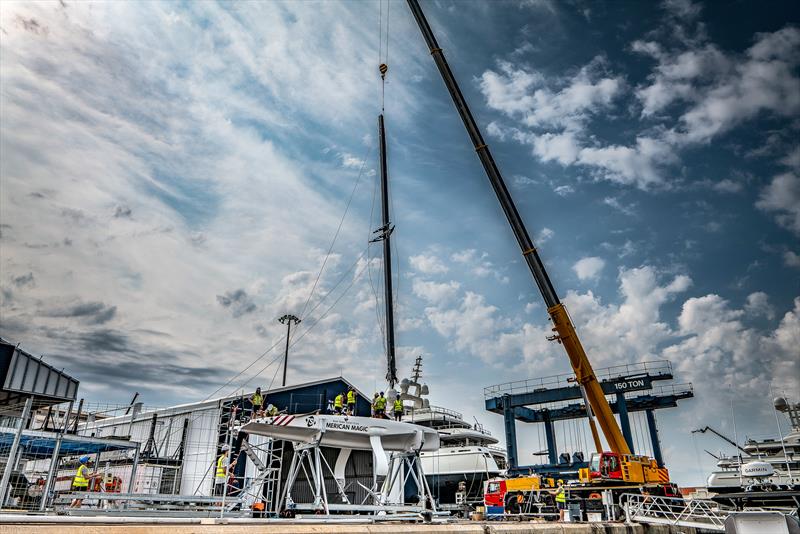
(287, 320)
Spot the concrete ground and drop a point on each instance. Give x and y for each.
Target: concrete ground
(211, 526)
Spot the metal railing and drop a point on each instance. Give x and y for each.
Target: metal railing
(663, 390)
(697, 513)
(437, 410)
(651, 368)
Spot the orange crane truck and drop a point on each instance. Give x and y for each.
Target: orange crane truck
(616, 468)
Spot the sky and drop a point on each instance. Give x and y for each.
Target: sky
(175, 176)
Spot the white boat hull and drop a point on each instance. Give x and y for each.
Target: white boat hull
(460, 460)
(358, 433)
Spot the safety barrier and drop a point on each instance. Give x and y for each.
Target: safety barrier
(697, 513)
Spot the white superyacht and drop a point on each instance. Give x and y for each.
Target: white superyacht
(467, 455)
(767, 471)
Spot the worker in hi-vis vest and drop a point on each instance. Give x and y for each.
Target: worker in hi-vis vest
(338, 404)
(398, 409)
(561, 500)
(380, 406)
(80, 482)
(223, 467)
(351, 401)
(257, 404)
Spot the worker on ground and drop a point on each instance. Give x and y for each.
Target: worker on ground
(338, 404)
(380, 406)
(351, 402)
(561, 500)
(80, 482)
(398, 408)
(257, 403)
(224, 466)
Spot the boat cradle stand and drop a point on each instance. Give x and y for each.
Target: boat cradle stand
(384, 497)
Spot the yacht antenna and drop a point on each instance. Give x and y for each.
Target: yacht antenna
(416, 372)
(736, 437)
(778, 405)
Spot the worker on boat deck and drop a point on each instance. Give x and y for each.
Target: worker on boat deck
(338, 404)
(398, 408)
(351, 402)
(224, 466)
(561, 500)
(257, 403)
(380, 406)
(80, 482)
(372, 407)
(272, 410)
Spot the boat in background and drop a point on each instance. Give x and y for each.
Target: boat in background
(467, 454)
(766, 473)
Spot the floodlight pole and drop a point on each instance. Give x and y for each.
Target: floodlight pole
(287, 320)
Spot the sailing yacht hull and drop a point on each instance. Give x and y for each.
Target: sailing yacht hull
(358, 433)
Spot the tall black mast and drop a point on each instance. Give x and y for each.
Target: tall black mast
(385, 233)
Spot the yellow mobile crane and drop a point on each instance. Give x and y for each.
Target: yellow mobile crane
(615, 467)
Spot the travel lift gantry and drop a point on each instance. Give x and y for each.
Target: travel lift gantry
(630, 469)
(550, 399)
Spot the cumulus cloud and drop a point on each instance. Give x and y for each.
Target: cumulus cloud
(719, 344)
(791, 259)
(782, 198)
(428, 264)
(525, 93)
(695, 92)
(588, 268)
(478, 264)
(630, 331)
(435, 292)
(758, 305)
(545, 235)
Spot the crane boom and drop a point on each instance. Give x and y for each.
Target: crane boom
(562, 324)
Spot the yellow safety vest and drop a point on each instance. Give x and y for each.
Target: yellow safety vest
(273, 411)
(351, 397)
(220, 473)
(561, 495)
(257, 400)
(398, 405)
(80, 480)
(338, 402)
(380, 403)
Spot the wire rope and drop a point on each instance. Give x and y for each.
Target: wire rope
(338, 230)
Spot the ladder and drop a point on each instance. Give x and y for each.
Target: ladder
(267, 482)
(272, 489)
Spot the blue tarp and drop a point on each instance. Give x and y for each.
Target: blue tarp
(70, 445)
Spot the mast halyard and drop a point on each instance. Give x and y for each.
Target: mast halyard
(385, 232)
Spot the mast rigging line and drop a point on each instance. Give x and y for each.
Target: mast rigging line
(338, 230)
(296, 340)
(281, 338)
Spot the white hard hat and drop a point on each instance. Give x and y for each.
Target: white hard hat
(225, 447)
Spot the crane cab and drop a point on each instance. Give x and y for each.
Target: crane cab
(602, 466)
(612, 466)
